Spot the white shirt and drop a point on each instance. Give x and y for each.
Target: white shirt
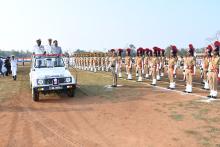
(39, 49)
(48, 49)
(14, 63)
(56, 50)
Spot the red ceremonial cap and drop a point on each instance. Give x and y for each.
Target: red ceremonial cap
(217, 44)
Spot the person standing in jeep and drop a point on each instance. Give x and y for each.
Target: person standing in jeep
(56, 49)
(39, 49)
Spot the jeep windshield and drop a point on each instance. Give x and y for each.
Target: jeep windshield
(48, 62)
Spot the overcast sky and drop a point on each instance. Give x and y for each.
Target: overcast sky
(98, 24)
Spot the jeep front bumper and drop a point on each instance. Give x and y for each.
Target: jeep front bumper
(54, 88)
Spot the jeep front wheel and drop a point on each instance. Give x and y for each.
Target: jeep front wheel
(35, 95)
(71, 92)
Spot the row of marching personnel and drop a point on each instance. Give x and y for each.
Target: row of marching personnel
(153, 63)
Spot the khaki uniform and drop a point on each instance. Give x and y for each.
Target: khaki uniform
(146, 66)
(162, 66)
(205, 67)
(213, 74)
(190, 71)
(171, 70)
(103, 63)
(119, 66)
(99, 62)
(95, 63)
(154, 64)
(107, 62)
(114, 69)
(128, 66)
(91, 63)
(158, 71)
(139, 66)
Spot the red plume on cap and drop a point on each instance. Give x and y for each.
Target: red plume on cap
(174, 49)
(140, 50)
(128, 50)
(120, 51)
(209, 47)
(112, 50)
(147, 51)
(191, 49)
(150, 52)
(191, 46)
(155, 49)
(163, 52)
(217, 44)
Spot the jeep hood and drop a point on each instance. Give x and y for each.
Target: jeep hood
(51, 73)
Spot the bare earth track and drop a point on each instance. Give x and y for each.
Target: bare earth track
(133, 115)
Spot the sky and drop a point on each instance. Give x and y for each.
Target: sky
(105, 24)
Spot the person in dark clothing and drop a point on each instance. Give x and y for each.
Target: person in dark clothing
(1, 64)
(8, 66)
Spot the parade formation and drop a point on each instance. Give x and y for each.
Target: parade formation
(153, 64)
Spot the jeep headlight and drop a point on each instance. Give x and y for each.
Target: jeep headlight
(68, 80)
(40, 82)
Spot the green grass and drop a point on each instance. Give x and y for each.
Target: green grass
(177, 117)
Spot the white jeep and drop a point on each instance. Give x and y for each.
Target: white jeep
(49, 74)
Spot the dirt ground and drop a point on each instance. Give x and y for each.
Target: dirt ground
(131, 115)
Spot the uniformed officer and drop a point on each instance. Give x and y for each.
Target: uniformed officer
(95, 62)
(56, 49)
(39, 49)
(205, 66)
(128, 64)
(162, 63)
(154, 66)
(107, 56)
(99, 61)
(146, 62)
(139, 64)
(102, 61)
(158, 64)
(14, 67)
(91, 62)
(214, 71)
(172, 66)
(114, 67)
(190, 68)
(120, 63)
(150, 62)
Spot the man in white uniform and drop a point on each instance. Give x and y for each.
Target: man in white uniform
(14, 67)
(48, 48)
(39, 49)
(56, 49)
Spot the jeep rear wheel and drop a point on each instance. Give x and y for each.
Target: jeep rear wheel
(35, 95)
(71, 92)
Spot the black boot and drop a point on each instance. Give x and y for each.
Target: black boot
(15, 77)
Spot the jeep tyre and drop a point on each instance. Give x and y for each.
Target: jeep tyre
(35, 95)
(71, 92)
